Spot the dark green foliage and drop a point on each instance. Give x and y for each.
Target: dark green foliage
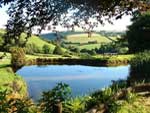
(140, 68)
(46, 49)
(138, 35)
(74, 49)
(91, 52)
(58, 50)
(51, 98)
(25, 14)
(85, 56)
(17, 57)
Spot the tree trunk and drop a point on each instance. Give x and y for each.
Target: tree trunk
(58, 108)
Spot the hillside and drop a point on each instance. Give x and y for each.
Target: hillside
(81, 39)
(37, 41)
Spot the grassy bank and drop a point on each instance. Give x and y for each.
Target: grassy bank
(108, 60)
(11, 82)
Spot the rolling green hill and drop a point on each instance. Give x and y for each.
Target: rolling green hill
(81, 39)
(32, 40)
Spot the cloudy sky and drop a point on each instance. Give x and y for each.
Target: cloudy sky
(119, 25)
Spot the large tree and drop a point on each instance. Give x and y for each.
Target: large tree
(138, 34)
(25, 14)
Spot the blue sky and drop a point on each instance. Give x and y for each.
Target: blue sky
(119, 25)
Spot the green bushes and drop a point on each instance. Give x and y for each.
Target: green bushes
(140, 68)
(58, 50)
(17, 57)
(46, 49)
(51, 101)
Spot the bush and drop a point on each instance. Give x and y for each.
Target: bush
(58, 50)
(75, 105)
(10, 103)
(18, 57)
(140, 70)
(51, 101)
(91, 52)
(85, 56)
(46, 49)
(123, 50)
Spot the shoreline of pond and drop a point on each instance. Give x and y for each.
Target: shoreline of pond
(75, 61)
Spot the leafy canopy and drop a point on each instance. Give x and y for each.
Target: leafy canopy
(138, 33)
(26, 14)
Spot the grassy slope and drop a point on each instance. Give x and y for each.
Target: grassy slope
(89, 46)
(139, 105)
(34, 39)
(39, 42)
(83, 38)
(12, 82)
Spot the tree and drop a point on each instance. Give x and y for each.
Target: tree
(58, 50)
(138, 33)
(25, 14)
(46, 49)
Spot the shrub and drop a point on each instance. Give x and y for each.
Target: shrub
(85, 56)
(17, 57)
(58, 50)
(75, 105)
(51, 101)
(46, 49)
(10, 103)
(140, 70)
(123, 50)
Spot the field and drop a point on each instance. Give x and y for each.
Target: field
(89, 46)
(83, 38)
(82, 41)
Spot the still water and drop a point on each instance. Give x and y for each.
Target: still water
(82, 79)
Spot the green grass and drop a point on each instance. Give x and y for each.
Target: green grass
(32, 40)
(116, 57)
(140, 105)
(89, 46)
(81, 41)
(39, 42)
(11, 82)
(83, 38)
(6, 60)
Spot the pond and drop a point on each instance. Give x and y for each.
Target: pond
(82, 79)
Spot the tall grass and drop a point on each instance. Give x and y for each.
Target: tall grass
(140, 67)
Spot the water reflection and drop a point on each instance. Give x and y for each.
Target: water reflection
(82, 79)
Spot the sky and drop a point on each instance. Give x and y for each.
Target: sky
(118, 25)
